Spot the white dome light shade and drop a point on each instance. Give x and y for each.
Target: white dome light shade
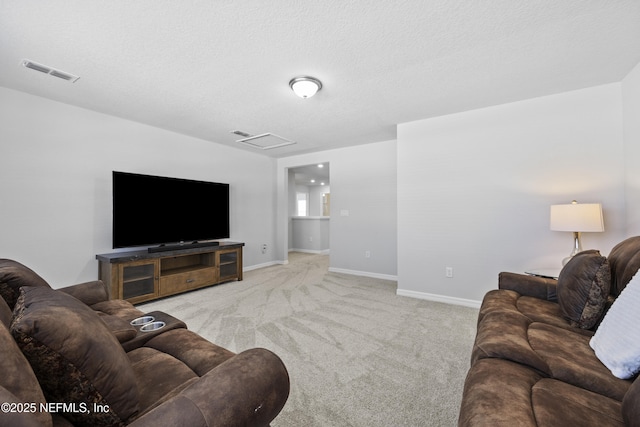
(305, 87)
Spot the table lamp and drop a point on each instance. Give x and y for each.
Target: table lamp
(577, 218)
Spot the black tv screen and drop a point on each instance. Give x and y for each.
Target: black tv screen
(154, 210)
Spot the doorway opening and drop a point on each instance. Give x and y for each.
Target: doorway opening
(309, 208)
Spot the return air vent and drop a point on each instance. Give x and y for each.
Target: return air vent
(51, 71)
(264, 141)
(240, 133)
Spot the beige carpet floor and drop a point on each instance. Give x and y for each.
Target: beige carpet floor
(357, 354)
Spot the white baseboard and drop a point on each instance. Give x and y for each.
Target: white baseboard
(263, 265)
(311, 251)
(364, 273)
(439, 298)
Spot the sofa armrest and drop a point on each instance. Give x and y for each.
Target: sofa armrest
(249, 389)
(89, 292)
(533, 286)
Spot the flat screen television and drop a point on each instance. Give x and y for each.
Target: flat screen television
(170, 212)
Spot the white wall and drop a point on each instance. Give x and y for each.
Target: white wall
(474, 188)
(631, 111)
(363, 182)
(55, 183)
(310, 234)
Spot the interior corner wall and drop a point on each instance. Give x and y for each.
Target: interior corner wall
(55, 184)
(363, 206)
(631, 111)
(474, 188)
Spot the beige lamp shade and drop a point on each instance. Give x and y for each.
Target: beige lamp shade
(577, 218)
(581, 217)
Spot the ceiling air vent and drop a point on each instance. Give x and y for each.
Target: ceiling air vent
(264, 141)
(51, 71)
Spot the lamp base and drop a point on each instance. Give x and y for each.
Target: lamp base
(577, 247)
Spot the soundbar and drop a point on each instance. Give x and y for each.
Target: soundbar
(178, 246)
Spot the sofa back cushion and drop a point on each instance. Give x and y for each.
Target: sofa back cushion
(14, 418)
(583, 288)
(13, 276)
(5, 314)
(18, 383)
(631, 405)
(624, 261)
(74, 356)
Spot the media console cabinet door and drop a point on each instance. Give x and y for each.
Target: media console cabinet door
(229, 262)
(139, 280)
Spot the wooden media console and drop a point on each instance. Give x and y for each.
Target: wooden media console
(138, 276)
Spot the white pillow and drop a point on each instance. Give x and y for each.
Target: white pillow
(617, 340)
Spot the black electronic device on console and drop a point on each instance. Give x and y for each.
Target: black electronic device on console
(155, 210)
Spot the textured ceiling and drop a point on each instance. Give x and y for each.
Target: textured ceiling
(204, 68)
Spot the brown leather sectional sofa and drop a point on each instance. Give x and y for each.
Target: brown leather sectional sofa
(532, 362)
(71, 357)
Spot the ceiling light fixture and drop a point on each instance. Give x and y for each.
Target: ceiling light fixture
(305, 86)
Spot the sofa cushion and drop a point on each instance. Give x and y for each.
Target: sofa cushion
(196, 352)
(546, 312)
(119, 308)
(497, 392)
(617, 340)
(583, 288)
(557, 403)
(159, 376)
(13, 276)
(75, 357)
(571, 360)
(5, 314)
(631, 405)
(624, 261)
(119, 327)
(18, 382)
(534, 309)
(502, 331)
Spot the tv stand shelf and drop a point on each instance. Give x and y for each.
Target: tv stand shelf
(139, 276)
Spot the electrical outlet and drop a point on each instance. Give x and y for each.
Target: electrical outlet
(367, 254)
(264, 248)
(449, 272)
